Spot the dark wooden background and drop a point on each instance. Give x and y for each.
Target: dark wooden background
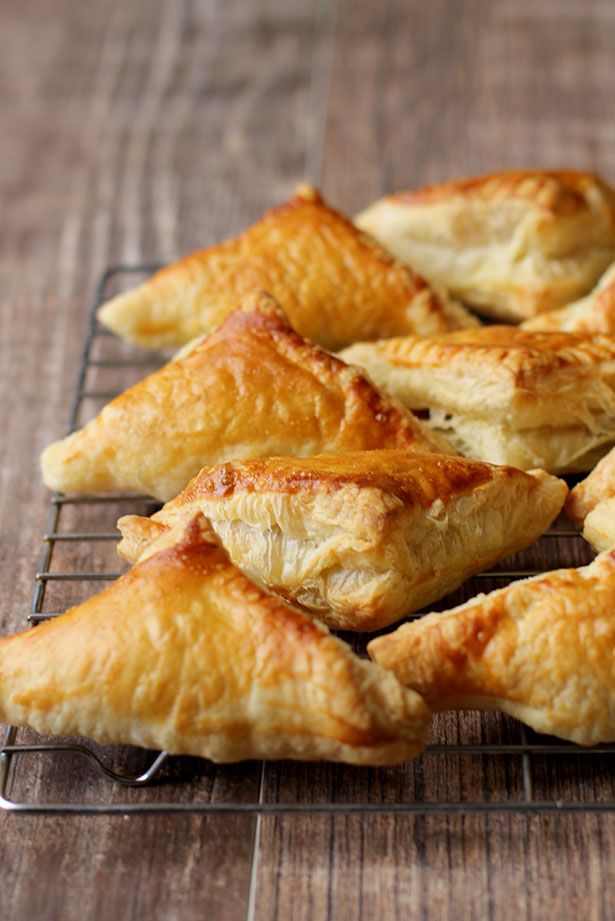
(135, 130)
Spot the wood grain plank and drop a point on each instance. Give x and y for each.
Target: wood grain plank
(131, 132)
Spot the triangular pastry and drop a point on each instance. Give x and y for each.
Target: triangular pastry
(511, 244)
(186, 654)
(503, 394)
(594, 313)
(251, 389)
(336, 284)
(542, 650)
(363, 538)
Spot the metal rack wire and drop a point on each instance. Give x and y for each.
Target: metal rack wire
(16, 755)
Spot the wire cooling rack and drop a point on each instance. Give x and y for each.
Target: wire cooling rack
(479, 763)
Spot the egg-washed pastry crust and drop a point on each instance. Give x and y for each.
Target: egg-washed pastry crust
(542, 650)
(512, 244)
(336, 284)
(505, 395)
(253, 388)
(362, 538)
(186, 654)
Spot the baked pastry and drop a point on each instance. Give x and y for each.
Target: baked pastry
(186, 654)
(594, 313)
(511, 244)
(503, 394)
(362, 538)
(251, 389)
(336, 284)
(542, 650)
(599, 485)
(599, 526)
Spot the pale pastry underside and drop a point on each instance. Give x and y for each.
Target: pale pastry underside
(595, 488)
(599, 527)
(566, 449)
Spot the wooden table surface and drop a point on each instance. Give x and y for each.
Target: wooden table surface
(136, 130)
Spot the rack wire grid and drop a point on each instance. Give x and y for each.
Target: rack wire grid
(481, 763)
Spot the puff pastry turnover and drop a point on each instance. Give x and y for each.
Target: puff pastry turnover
(336, 284)
(594, 313)
(251, 389)
(184, 653)
(512, 244)
(542, 650)
(361, 538)
(505, 395)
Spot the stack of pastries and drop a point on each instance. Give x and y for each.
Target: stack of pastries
(339, 443)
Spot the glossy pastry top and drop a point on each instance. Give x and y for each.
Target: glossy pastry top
(253, 388)
(185, 653)
(336, 284)
(361, 539)
(595, 488)
(417, 480)
(517, 355)
(502, 373)
(542, 649)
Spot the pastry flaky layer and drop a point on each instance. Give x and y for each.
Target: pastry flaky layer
(186, 654)
(594, 313)
(362, 538)
(503, 394)
(336, 284)
(591, 504)
(599, 525)
(542, 650)
(253, 388)
(599, 485)
(512, 244)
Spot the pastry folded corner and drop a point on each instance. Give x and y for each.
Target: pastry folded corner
(360, 539)
(338, 285)
(541, 650)
(184, 653)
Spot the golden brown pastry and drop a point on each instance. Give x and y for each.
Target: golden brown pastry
(186, 654)
(361, 538)
(336, 284)
(503, 394)
(599, 526)
(599, 485)
(594, 313)
(512, 244)
(251, 389)
(542, 650)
